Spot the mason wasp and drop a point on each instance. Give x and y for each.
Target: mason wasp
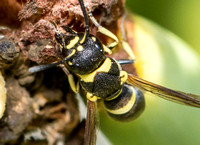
(84, 56)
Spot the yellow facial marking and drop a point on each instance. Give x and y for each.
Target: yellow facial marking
(80, 48)
(69, 62)
(125, 108)
(105, 67)
(94, 38)
(72, 42)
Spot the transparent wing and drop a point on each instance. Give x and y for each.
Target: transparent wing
(175, 96)
(91, 124)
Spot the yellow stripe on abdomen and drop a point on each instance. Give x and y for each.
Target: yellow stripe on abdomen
(126, 108)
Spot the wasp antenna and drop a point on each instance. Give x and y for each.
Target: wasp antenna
(46, 66)
(41, 67)
(87, 31)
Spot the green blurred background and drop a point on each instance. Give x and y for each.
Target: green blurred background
(172, 63)
(182, 17)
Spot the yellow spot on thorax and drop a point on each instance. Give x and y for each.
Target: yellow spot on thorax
(80, 48)
(73, 42)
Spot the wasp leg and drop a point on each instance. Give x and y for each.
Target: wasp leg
(125, 44)
(105, 32)
(128, 49)
(125, 61)
(91, 97)
(74, 87)
(107, 50)
(91, 124)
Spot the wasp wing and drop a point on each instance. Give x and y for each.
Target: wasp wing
(91, 124)
(169, 94)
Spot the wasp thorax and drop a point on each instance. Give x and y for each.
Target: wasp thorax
(85, 55)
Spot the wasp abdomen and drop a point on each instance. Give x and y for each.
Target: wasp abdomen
(127, 106)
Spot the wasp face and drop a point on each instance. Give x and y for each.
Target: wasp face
(60, 39)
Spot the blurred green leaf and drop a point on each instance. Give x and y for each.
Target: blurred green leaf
(179, 16)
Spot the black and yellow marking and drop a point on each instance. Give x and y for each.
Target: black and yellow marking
(124, 76)
(83, 39)
(126, 102)
(72, 42)
(80, 48)
(127, 106)
(92, 97)
(72, 53)
(94, 39)
(106, 81)
(105, 67)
